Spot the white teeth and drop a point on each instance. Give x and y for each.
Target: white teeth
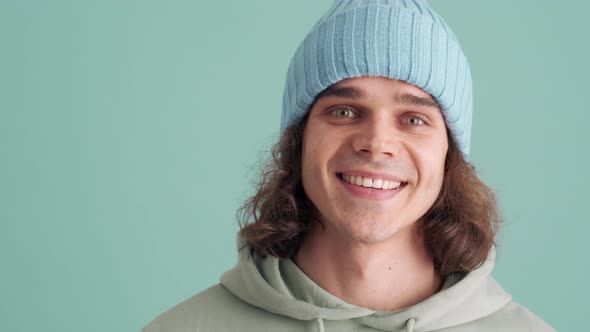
(377, 183)
(371, 183)
(359, 181)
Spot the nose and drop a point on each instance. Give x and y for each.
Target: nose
(377, 139)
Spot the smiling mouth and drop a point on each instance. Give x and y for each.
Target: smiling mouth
(370, 183)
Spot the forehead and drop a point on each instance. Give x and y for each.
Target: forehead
(369, 87)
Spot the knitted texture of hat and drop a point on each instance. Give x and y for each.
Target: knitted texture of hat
(399, 39)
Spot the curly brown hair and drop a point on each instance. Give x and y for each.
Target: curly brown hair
(458, 230)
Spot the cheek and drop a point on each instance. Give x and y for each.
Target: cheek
(308, 169)
(312, 163)
(315, 150)
(438, 169)
(309, 156)
(432, 164)
(318, 153)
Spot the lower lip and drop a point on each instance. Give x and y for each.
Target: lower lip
(371, 193)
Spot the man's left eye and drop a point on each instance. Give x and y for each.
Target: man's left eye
(415, 121)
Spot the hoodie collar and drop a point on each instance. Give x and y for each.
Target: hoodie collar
(279, 286)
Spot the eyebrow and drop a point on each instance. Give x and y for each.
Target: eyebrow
(352, 92)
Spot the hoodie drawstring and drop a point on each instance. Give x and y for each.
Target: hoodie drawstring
(320, 324)
(410, 325)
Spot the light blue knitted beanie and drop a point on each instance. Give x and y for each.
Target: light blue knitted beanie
(400, 39)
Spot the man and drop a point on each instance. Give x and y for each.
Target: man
(371, 217)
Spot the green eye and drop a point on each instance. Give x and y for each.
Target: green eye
(415, 121)
(342, 113)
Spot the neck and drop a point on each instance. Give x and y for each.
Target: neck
(386, 276)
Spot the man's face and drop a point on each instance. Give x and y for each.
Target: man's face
(386, 132)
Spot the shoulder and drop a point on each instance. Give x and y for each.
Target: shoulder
(192, 311)
(213, 309)
(512, 317)
(519, 318)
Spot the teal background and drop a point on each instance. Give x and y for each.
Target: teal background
(130, 132)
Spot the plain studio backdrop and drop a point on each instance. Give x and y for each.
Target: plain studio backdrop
(130, 133)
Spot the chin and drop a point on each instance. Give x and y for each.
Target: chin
(369, 231)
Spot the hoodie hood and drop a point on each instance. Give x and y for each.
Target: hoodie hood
(279, 286)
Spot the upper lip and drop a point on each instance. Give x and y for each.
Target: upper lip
(372, 175)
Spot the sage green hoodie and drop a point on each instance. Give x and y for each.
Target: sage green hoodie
(270, 294)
